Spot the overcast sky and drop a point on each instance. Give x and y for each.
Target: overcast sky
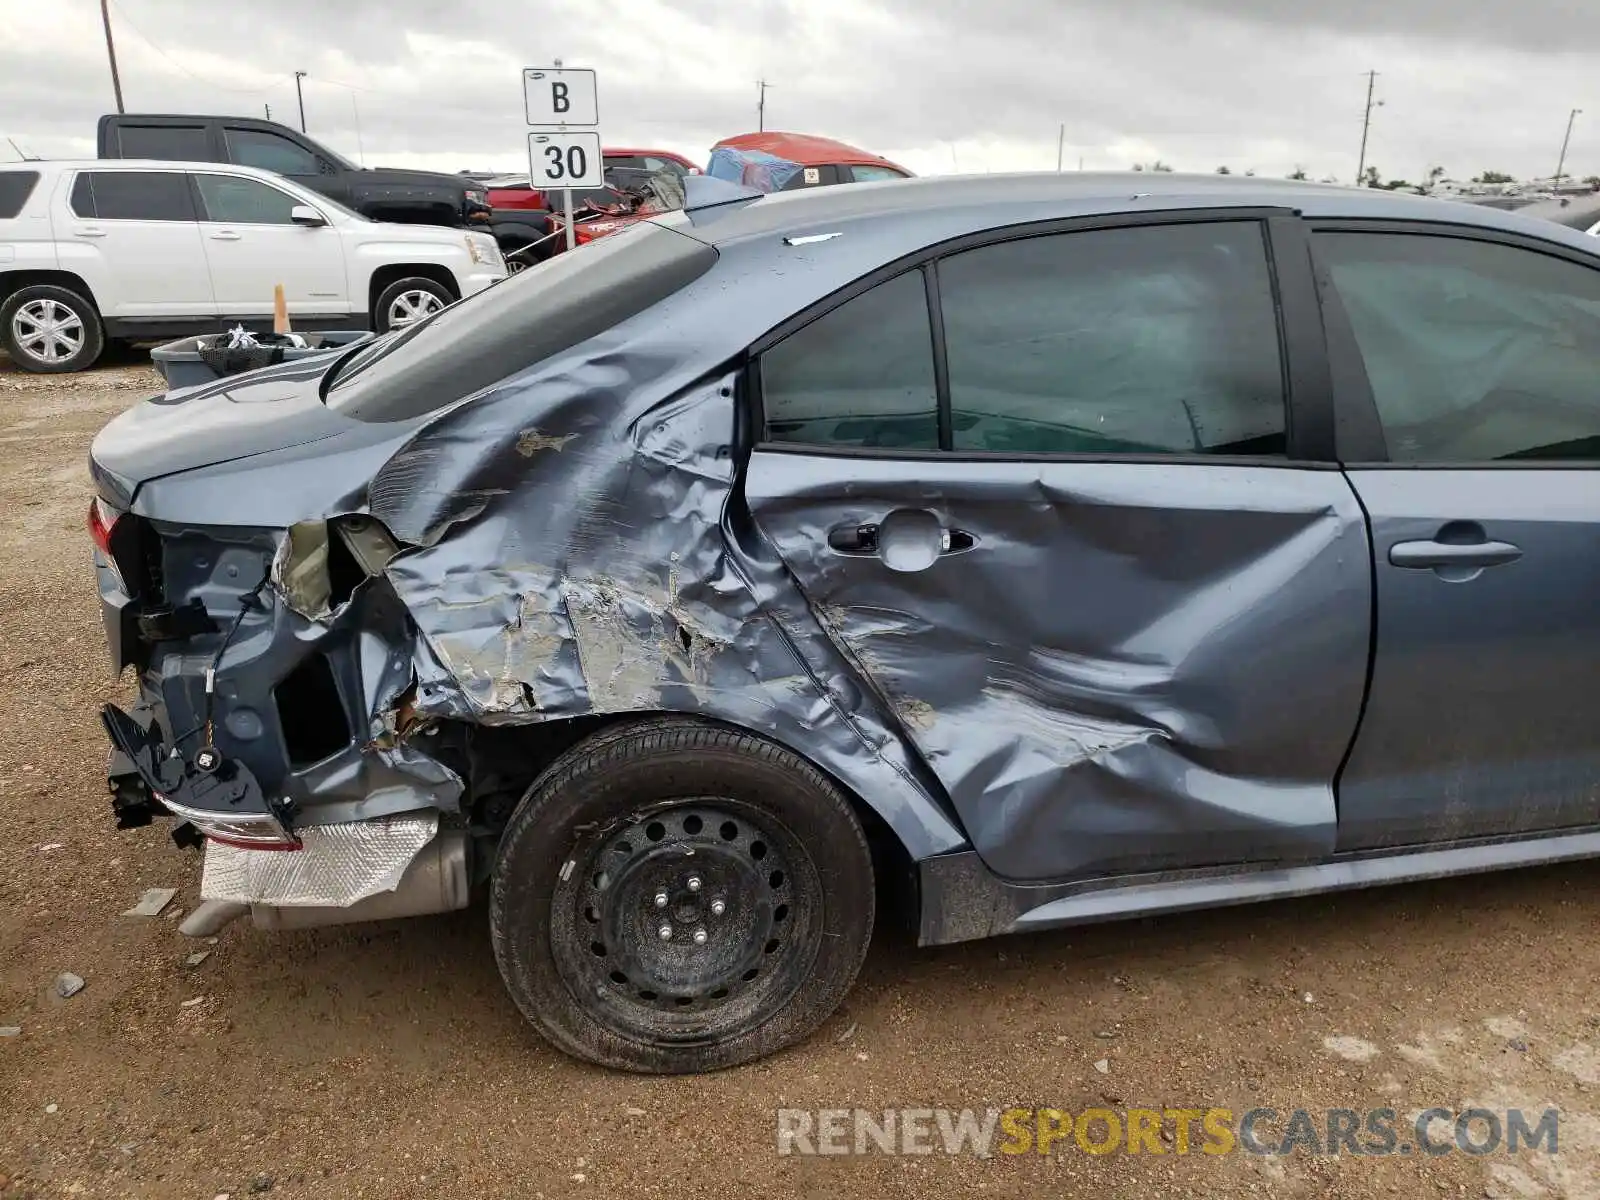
(938, 85)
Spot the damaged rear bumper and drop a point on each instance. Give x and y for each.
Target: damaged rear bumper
(212, 796)
(275, 725)
(256, 862)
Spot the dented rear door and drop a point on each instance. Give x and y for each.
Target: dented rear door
(1046, 493)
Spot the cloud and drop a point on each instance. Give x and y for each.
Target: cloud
(936, 84)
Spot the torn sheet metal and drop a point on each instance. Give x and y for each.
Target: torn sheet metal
(616, 573)
(338, 866)
(300, 570)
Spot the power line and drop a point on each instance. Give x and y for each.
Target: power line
(147, 40)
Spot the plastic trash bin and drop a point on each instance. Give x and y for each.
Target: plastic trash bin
(182, 363)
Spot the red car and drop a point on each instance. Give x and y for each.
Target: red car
(822, 160)
(772, 161)
(516, 191)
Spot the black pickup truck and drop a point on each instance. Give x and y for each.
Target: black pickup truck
(381, 193)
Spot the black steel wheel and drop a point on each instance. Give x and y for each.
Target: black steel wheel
(675, 896)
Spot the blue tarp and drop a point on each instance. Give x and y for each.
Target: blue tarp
(754, 168)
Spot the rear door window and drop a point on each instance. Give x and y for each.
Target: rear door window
(807, 177)
(15, 188)
(860, 375)
(860, 173)
(174, 143)
(133, 196)
(269, 152)
(1159, 339)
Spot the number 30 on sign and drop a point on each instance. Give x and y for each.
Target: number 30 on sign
(566, 160)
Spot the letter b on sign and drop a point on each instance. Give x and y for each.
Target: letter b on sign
(560, 96)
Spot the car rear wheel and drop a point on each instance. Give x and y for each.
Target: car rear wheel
(407, 301)
(673, 896)
(50, 330)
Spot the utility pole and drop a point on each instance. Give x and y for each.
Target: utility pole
(268, 107)
(300, 96)
(761, 105)
(361, 152)
(1061, 143)
(111, 53)
(1564, 142)
(1366, 123)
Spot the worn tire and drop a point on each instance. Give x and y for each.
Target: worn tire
(604, 783)
(93, 336)
(381, 321)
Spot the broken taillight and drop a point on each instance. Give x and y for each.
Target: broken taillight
(102, 520)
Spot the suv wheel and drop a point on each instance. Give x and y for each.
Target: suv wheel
(673, 896)
(407, 301)
(49, 330)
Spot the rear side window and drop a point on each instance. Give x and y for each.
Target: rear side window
(133, 196)
(859, 375)
(15, 188)
(269, 152)
(1150, 340)
(813, 177)
(243, 201)
(513, 325)
(174, 143)
(864, 174)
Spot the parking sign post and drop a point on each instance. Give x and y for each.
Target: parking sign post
(562, 105)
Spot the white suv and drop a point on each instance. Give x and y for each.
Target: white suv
(144, 251)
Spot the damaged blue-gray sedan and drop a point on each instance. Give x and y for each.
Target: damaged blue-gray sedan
(1041, 549)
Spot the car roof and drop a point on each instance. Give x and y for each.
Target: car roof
(806, 149)
(989, 201)
(137, 164)
(672, 154)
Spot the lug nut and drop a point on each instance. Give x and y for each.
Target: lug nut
(665, 932)
(699, 937)
(718, 908)
(661, 900)
(694, 883)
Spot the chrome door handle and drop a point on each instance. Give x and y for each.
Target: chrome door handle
(90, 231)
(1427, 556)
(907, 539)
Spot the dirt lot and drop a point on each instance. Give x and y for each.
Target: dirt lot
(386, 1060)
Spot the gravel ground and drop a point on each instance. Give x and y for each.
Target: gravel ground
(387, 1061)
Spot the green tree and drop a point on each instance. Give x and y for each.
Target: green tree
(1223, 170)
(1299, 172)
(1494, 177)
(1370, 178)
(1594, 182)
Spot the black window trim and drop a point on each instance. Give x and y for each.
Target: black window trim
(1308, 393)
(89, 173)
(1361, 442)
